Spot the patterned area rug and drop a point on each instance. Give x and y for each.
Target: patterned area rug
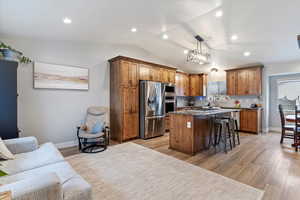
(132, 172)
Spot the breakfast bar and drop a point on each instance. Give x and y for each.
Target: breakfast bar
(191, 130)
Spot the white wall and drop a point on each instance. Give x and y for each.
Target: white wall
(52, 115)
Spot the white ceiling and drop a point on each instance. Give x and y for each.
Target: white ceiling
(266, 28)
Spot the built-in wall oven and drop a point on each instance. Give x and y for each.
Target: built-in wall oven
(170, 98)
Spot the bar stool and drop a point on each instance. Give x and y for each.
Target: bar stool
(236, 132)
(225, 132)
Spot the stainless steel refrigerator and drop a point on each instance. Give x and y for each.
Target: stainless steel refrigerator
(152, 109)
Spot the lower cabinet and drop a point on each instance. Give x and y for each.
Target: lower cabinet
(167, 123)
(250, 120)
(130, 126)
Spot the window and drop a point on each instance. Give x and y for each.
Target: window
(288, 92)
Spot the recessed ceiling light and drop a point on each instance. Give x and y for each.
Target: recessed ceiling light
(186, 51)
(133, 30)
(165, 36)
(201, 63)
(234, 37)
(67, 20)
(219, 13)
(247, 53)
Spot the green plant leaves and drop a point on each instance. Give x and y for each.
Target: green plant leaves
(21, 58)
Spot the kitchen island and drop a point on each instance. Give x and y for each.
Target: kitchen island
(190, 130)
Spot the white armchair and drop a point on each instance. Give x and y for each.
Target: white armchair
(94, 142)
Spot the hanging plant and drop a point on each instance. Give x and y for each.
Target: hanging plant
(10, 53)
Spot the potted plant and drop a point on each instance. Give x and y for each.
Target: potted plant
(7, 52)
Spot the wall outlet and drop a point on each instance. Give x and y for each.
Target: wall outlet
(189, 124)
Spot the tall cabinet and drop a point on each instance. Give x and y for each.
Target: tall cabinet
(8, 101)
(124, 100)
(125, 74)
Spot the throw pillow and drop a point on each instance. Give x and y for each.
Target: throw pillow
(97, 128)
(4, 152)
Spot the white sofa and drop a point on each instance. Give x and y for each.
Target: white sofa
(40, 172)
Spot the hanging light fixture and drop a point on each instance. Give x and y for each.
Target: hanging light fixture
(201, 55)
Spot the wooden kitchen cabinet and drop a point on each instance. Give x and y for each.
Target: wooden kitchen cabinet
(144, 72)
(131, 127)
(250, 120)
(167, 75)
(124, 100)
(231, 83)
(129, 74)
(189, 139)
(164, 75)
(171, 76)
(156, 75)
(182, 84)
(255, 81)
(130, 100)
(244, 81)
(198, 84)
(125, 74)
(149, 73)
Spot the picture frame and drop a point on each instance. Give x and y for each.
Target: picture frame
(60, 77)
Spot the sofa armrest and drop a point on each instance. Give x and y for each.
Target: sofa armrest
(41, 187)
(22, 145)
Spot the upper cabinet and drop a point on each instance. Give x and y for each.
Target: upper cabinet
(129, 74)
(198, 83)
(244, 81)
(158, 74)
(231, 83)
(182, 84)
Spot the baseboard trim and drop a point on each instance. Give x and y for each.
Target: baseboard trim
(275, 129)
(66, 144)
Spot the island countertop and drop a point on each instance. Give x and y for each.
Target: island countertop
(204, 113)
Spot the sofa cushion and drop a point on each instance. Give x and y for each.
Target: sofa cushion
(4, 152)
(46, 154)
(74, 187)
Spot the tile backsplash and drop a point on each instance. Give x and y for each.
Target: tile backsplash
(222, 101)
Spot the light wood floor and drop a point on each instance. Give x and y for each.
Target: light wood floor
(260, 161)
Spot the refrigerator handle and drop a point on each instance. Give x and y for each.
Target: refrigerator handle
(155, 117)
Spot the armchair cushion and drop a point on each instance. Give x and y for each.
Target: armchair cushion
(87, 135)
(46, 154)
(22, 145)
(46, 186)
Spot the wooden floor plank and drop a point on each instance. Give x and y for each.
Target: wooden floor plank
(260, 161)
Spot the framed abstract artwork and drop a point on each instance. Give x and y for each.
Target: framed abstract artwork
(52, 76)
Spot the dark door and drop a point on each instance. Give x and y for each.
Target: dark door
(8, 99)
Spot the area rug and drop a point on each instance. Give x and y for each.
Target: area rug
(132, 172)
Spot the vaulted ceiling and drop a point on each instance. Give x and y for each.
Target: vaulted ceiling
(266, 28)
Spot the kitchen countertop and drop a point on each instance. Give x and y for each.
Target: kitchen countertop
(191, 107)
(204, 113)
